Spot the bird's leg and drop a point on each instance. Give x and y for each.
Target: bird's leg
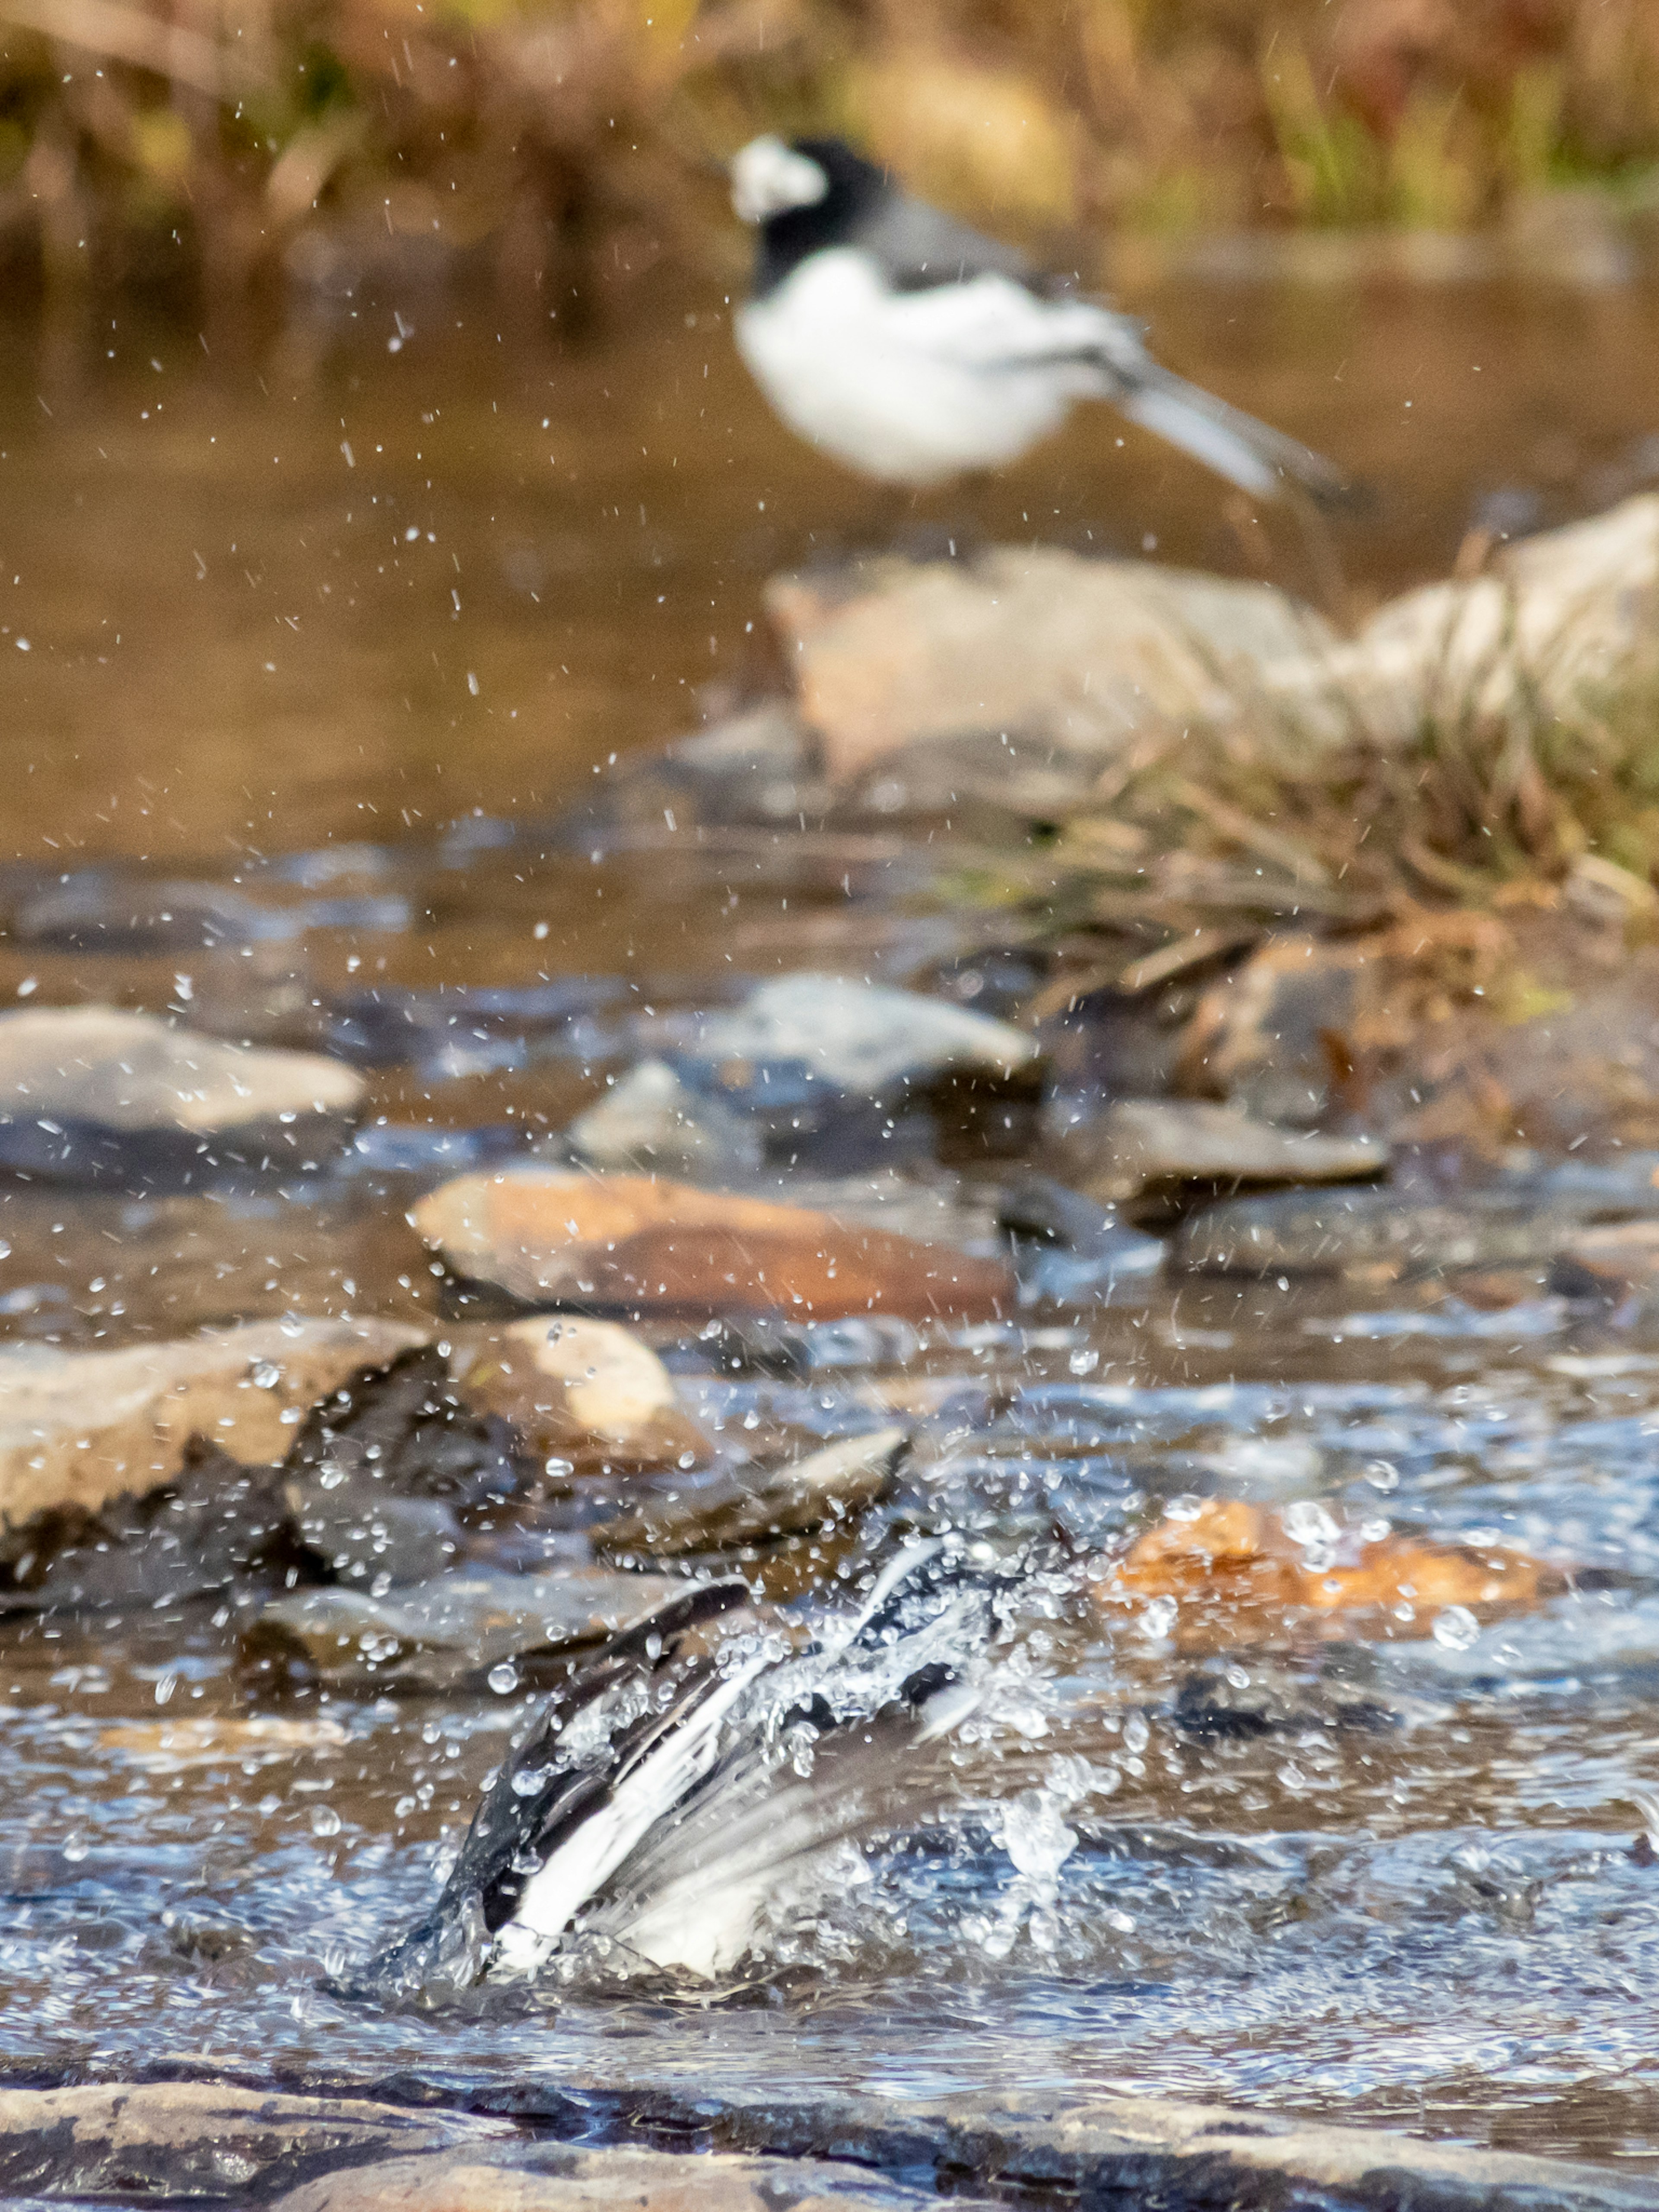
(1331, 590)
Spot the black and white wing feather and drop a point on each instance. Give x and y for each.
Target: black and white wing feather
(677, 1786)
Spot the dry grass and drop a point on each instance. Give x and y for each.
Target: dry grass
(217, 140)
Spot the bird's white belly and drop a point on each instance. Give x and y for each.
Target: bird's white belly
(873, 378)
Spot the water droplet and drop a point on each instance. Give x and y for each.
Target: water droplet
(1456, 1627)
(1308, 1522)
(528, 1780)
(75, 1846)
(331, 1475)
(1158, 1618)
(504, 1679)
(266, 1375)
(324, 1821)
(1084, 1363)
(165, 1688)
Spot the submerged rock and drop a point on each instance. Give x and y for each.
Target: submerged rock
(746, 1506)
(548, 1236)
(439, 1636)
(1233, 1572)
(1609, 1264)
(1073, 1249)
(1371, 1231)
(583, 1392)
(1142, 1148)
(78, 1429)
(377, 1475)
(89, 1092)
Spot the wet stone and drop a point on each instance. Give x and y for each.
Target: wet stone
(103, 912)
(863, 1039)
(378, 1474)
(1609, 1265)
(747, 1506)
(758, 768)
(182, 2140)
(1370, 1231)
(585, 1394)
(558, 2178)
(653, 1119)
(1142, 1148)
(213, 1525)
(454, 1632)
(641, 1246)
(469, 1030)
(82, 1428)
(1072, 1249)
(90, 1092)
(1231, 1572)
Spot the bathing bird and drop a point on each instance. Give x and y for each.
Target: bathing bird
(914, 350)
(693, 1774)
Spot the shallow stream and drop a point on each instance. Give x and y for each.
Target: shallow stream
(304, 663)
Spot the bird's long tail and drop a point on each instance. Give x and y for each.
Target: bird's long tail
(1255, 457)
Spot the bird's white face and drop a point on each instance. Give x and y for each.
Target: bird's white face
(769, 179)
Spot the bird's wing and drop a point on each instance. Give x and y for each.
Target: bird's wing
(831, 1749)
(992, 323)
(918, 248)
(589, 1741)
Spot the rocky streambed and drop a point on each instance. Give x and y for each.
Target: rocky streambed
(907, 1137)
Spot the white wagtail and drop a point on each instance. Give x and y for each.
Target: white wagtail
(914, 350)
(678, 1787)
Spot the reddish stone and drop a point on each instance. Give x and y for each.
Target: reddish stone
(637, 1244)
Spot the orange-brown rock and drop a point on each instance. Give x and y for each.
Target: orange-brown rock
(1238, 1575)
(581, 1390)
(637, 1244)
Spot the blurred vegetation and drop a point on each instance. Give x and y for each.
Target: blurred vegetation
(571, 145)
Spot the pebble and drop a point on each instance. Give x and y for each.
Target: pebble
(585, 1392)
(548, 1236)
(90, 1091)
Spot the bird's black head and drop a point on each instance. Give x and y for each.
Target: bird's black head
(802, 197)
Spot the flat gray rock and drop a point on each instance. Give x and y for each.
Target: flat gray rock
(1117, 2151)
(744, 1507)
(91, 1092)
(448, 1630)
(1143, 1145)
(864, 1038)
(178, 2140)
(1340, 1231)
